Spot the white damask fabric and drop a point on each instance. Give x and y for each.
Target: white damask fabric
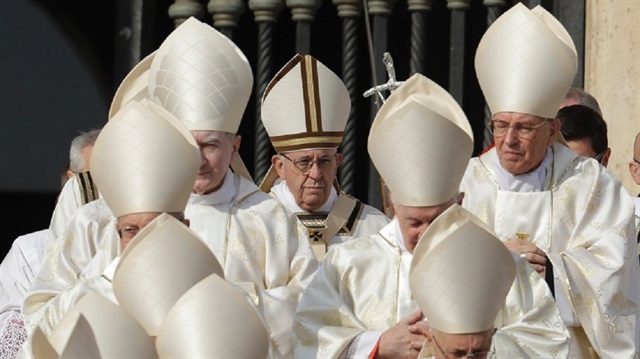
(584, 221)
(255, 239)
(362, 288)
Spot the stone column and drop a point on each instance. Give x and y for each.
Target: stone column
(457, 44)
(380, 10)
(303, 13)
(349, 11)
(181, 10)
(418, 10)
(494, 10)
(266, 14)
(225, 14)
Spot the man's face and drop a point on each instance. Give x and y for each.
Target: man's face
(415, 220)
(310, 186)
(129, 225)
(217, 150)
(522, 153)
(453, 346)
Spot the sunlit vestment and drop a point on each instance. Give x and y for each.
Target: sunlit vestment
(99, 273)
(363, 220)
(76, 192)
(255, 239)
(361, 289)
(17, 270)
(583, 220)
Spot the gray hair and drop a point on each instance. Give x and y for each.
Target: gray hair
(78, 144)
(584, 98)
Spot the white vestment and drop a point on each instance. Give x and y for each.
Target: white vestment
(76, 192)
(583, 219)
(99, 278)
(362, 289)
(255, 239)
(363, 220)
(17, 270)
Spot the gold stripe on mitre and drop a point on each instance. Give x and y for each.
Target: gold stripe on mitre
(311, 93)
(301, 141)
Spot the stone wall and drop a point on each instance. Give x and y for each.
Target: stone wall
(612, 75)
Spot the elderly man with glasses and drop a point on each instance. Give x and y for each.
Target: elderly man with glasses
(305, 109)
(566, 214)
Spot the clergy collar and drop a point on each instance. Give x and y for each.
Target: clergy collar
(222, 197)
(398, 236)
(285, 196)
(533, 181)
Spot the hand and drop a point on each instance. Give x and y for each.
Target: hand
(528, 250)
(400, 341)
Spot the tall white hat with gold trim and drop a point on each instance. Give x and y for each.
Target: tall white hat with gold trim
(145, 160)
(526, 62)
(164, 260)
(421, 143)
(305, 106)
(460, 273)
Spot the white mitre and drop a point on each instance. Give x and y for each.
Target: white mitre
(115, 332)
(133, 86)
(421, 143)
(145, 160)
(305, 106)
(526, 62)
(460, 273)
(201, 77)
(164, 260)
(81, 344)
(214, 319)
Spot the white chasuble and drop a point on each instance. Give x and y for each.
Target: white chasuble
(363, 220)
(583, 220)
(361, 289)
(253, 236)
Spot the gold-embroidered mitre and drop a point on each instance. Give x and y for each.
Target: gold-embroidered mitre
(305, 106)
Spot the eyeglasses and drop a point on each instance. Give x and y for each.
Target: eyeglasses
(460, 353)
(599, 156)
(499, 128)
(304, 165)
(636, 161)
